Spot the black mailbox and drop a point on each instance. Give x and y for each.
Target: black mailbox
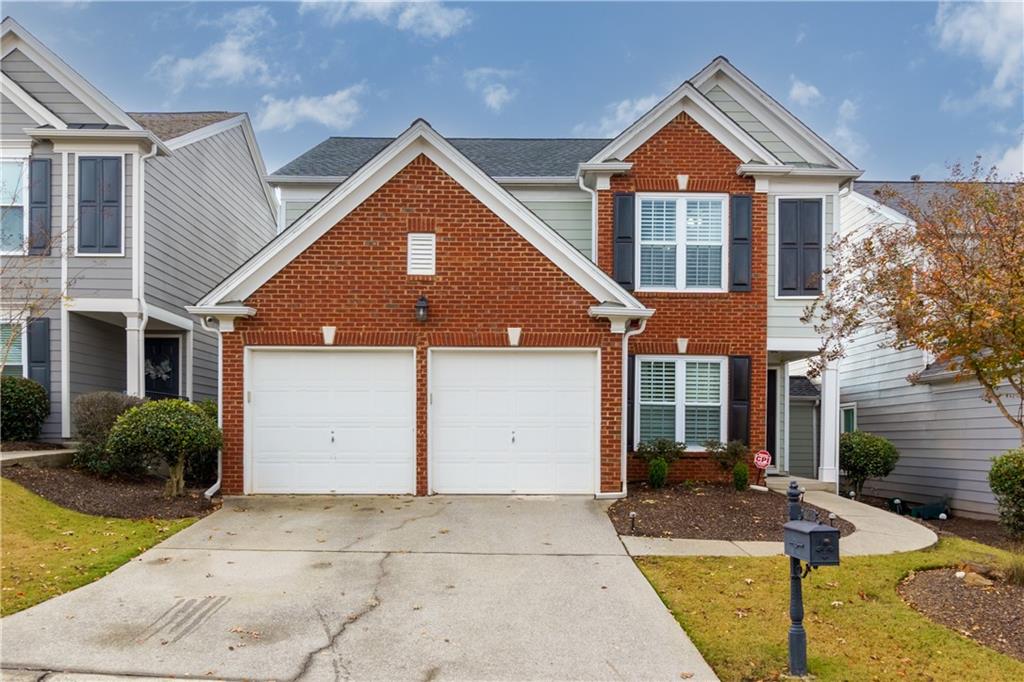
(813, 542)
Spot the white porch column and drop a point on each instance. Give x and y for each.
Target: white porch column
(134, 355)
(828, 469)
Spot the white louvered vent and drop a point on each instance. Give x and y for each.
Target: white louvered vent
(422, 246)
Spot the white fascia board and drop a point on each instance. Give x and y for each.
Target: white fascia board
(67, 139)
(536, 180)
(167, 316)
(127, 306)
(206, 131)
(15, 37)
(722, 65)
(619, 316)
(812, 344)
(29, 104)
(233, 309)
(420, 138)
(689, 99)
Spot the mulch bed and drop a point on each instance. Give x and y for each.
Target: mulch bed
(707, 512)
(979, 530)
(135, 498)
(993, 616)
(22, 445)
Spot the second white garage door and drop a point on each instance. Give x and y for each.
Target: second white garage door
(513, 421)
(331, 421)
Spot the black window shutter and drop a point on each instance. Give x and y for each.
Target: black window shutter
(39, 207)
(110, 197)
(624, 218)
(740, 225)
(739, 398)
(39, 351)
(630, 403)
(99, 205)
(800, 243)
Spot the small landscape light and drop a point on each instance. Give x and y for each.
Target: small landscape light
(852, 494)
(422, 308)
(632, 522)
(832, 518)
(942, 516)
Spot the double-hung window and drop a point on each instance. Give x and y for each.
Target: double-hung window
(682, 242)
(12, 349)
(13, 216)
(682, 399)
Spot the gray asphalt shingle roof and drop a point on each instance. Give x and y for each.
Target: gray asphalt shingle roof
(918, 193)
(498, 157)
(168, 125)
(802, 387)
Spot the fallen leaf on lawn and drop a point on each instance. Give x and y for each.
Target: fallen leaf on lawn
(748, 581)
(837, 604)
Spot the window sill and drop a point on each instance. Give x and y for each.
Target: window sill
(99, 255)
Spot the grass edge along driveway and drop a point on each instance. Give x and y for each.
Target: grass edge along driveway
(736, 611)
(49, 550)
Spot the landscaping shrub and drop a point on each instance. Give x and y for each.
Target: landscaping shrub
(658, 454)
(727, 455)
(201, 469)
(168, 430)
(1013, 569)
(1006, 478)
(209, 408)
(864, 455)
(24, 405)
(94, 414)
(741, 476)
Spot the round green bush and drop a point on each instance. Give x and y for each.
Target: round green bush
(741, 476)
(201, 469)
(168, 430)
(657, 472)
(1006, 478)
(24, 406)
(864, 455)
(94, 414)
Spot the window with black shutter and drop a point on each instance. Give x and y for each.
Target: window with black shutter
(800, 247)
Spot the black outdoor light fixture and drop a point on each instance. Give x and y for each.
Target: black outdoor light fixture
(422, 308)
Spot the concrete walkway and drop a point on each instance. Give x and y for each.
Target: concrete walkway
(877, 532)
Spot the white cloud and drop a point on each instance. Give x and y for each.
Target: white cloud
(491, 83)
(849, 142)
(993, 33)
(1011, 164)
(338, 110)
(801, 34)
(428, 19)
(233, 59)
(802, 93)
(617, 117)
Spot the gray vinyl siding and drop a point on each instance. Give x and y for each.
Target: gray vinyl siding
(802, 437)
(100, 276)
(784, 313)
(44, 88)
(13, 120)
(97, 356)
(571, 219)
(206, 214)
(757, 130)
(293, 209)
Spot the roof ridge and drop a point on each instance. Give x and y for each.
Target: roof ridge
(157, 113)
(539, 139)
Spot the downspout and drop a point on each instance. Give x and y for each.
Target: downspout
(139, 251)
(212, 490)
(593, 217)
(625, 398)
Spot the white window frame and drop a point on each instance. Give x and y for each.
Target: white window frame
(681, 241)
(23, 160)
(778, 244)
(842, 408)
(681, 403)
(11, 320)
(78, 186)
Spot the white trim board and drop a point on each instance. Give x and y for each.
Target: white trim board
(418, 139)
(29, 104)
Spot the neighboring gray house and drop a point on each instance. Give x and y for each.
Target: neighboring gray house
(120, 220)
(945, 432)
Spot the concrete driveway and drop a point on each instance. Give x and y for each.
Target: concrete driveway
(389, 588)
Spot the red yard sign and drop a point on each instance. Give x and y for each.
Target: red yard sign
(762, 458)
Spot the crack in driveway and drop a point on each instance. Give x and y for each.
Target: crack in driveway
(334, 638)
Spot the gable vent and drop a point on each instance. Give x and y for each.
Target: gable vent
(422, 246)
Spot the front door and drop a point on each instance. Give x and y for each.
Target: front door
(771, 435)
(163, 367)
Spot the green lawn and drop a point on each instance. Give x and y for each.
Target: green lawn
(49, 550)
(741, 627)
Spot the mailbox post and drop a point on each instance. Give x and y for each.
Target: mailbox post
(818, 545)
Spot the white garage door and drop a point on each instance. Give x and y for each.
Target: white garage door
(331, 421)
(513, 421)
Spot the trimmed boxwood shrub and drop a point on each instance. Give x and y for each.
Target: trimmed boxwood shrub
(24, 406)
(201, 468)
(1006, 478)
(864, 455)
(741, 476)
(94, 414)
(658, 454)
(167, 430)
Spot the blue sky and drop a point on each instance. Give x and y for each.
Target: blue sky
(900, 88)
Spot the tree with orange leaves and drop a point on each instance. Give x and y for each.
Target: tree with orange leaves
(949, 281)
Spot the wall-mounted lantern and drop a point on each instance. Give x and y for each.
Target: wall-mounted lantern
(422, 309)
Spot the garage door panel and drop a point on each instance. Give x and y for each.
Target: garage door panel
(545, 397)
(335, 421)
